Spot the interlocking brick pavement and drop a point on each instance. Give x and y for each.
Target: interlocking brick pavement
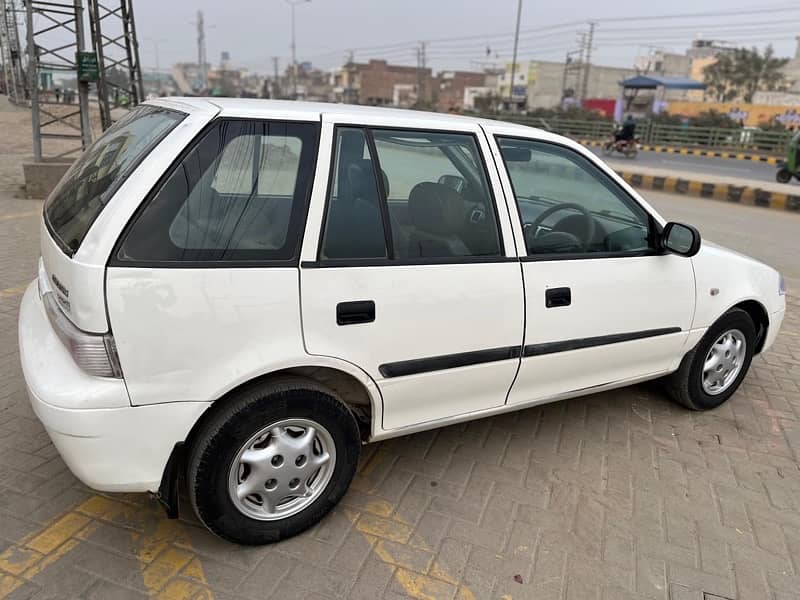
(619, 495)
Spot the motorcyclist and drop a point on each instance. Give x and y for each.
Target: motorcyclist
(628, 131)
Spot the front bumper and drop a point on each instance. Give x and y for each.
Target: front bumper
(775, 321)
(108, 444)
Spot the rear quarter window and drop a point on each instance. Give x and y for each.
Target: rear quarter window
(91, 181)
(239, 195)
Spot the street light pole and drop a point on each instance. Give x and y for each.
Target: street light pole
(514, 58)
(294, 3)
(158, 64)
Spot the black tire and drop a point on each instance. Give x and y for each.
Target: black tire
(608, 149)
(631, 151)
(685, 386)
(783, 176)
(222, 435)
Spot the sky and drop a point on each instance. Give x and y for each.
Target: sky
(253, 31)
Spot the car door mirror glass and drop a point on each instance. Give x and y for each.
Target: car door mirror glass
(681, 239)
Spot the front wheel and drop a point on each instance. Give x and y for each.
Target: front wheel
(783, 176)
(272, 461)
(713, 370)
(608, 148)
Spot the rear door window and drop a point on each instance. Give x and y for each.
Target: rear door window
(409, 196)
(239, 195)
(95, 176)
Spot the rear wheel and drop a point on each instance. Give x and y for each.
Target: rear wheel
(783, 176)
(631, 150)
(711, 372)
(272, 461)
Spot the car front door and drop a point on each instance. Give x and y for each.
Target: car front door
(604, 305)
(415, 277)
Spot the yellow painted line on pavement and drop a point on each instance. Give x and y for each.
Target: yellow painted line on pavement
(388, 535)
(21, 215)
(27, 558)
(170, 569)
(13, 291)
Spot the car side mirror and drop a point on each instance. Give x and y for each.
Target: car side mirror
(680, 239)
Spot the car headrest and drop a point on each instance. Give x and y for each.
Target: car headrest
(361, 179)
(436, 208)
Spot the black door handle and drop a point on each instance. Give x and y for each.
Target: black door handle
(351, 313)
(554, 297)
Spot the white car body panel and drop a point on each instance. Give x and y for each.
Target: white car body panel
(609, 296)
(188, 336)
(444, 304)
(83, 275)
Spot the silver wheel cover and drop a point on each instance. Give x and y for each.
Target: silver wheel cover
(282, 469)
(724, 362)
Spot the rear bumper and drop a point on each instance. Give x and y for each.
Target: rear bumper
(108, 444)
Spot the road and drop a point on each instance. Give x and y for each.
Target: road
(701, 165)
(768, 235)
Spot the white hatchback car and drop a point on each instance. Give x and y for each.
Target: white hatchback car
(245, 291)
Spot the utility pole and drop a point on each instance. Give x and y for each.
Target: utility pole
(83, 86)
(514, 57)
(293, 4)
(201, 51)
(348, 66)
(276, 81)
(158, 62)
(588, 63)
(33, 85)
(423, 89)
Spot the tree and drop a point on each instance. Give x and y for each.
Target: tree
(743, 72)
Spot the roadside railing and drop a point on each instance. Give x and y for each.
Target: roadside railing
(657, 134)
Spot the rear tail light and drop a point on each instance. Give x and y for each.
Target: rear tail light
(95, 353)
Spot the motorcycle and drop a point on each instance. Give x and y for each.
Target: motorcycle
(628, 148)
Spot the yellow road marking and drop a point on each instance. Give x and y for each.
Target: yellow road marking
(170, 569)
(13, 291)
(388, 535)
(165, 554)
(24, 560)
(21, 215)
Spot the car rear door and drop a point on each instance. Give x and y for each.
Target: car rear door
(603, 305)
(409, 267)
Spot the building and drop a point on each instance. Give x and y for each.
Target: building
(377, 83)
(452, 86)
(546, 84)
(312, 84)
(668, 64)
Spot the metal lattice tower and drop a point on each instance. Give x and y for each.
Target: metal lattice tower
(114, 41)
(55, 36)
(11, 55)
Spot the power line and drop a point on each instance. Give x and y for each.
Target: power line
(572, 24)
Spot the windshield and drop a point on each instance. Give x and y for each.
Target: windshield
(94, 177)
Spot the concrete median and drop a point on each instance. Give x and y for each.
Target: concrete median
(751, 156)
(741, 191)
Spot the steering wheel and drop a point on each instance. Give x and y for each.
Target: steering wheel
(561, 236)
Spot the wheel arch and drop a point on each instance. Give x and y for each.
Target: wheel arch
(357, 391)
(760, 317)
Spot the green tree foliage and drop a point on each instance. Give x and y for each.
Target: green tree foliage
(739, 74)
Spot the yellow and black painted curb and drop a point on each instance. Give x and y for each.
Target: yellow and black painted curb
(770, 160)
(747, 195)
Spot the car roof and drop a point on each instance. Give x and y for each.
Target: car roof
(312, 111)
